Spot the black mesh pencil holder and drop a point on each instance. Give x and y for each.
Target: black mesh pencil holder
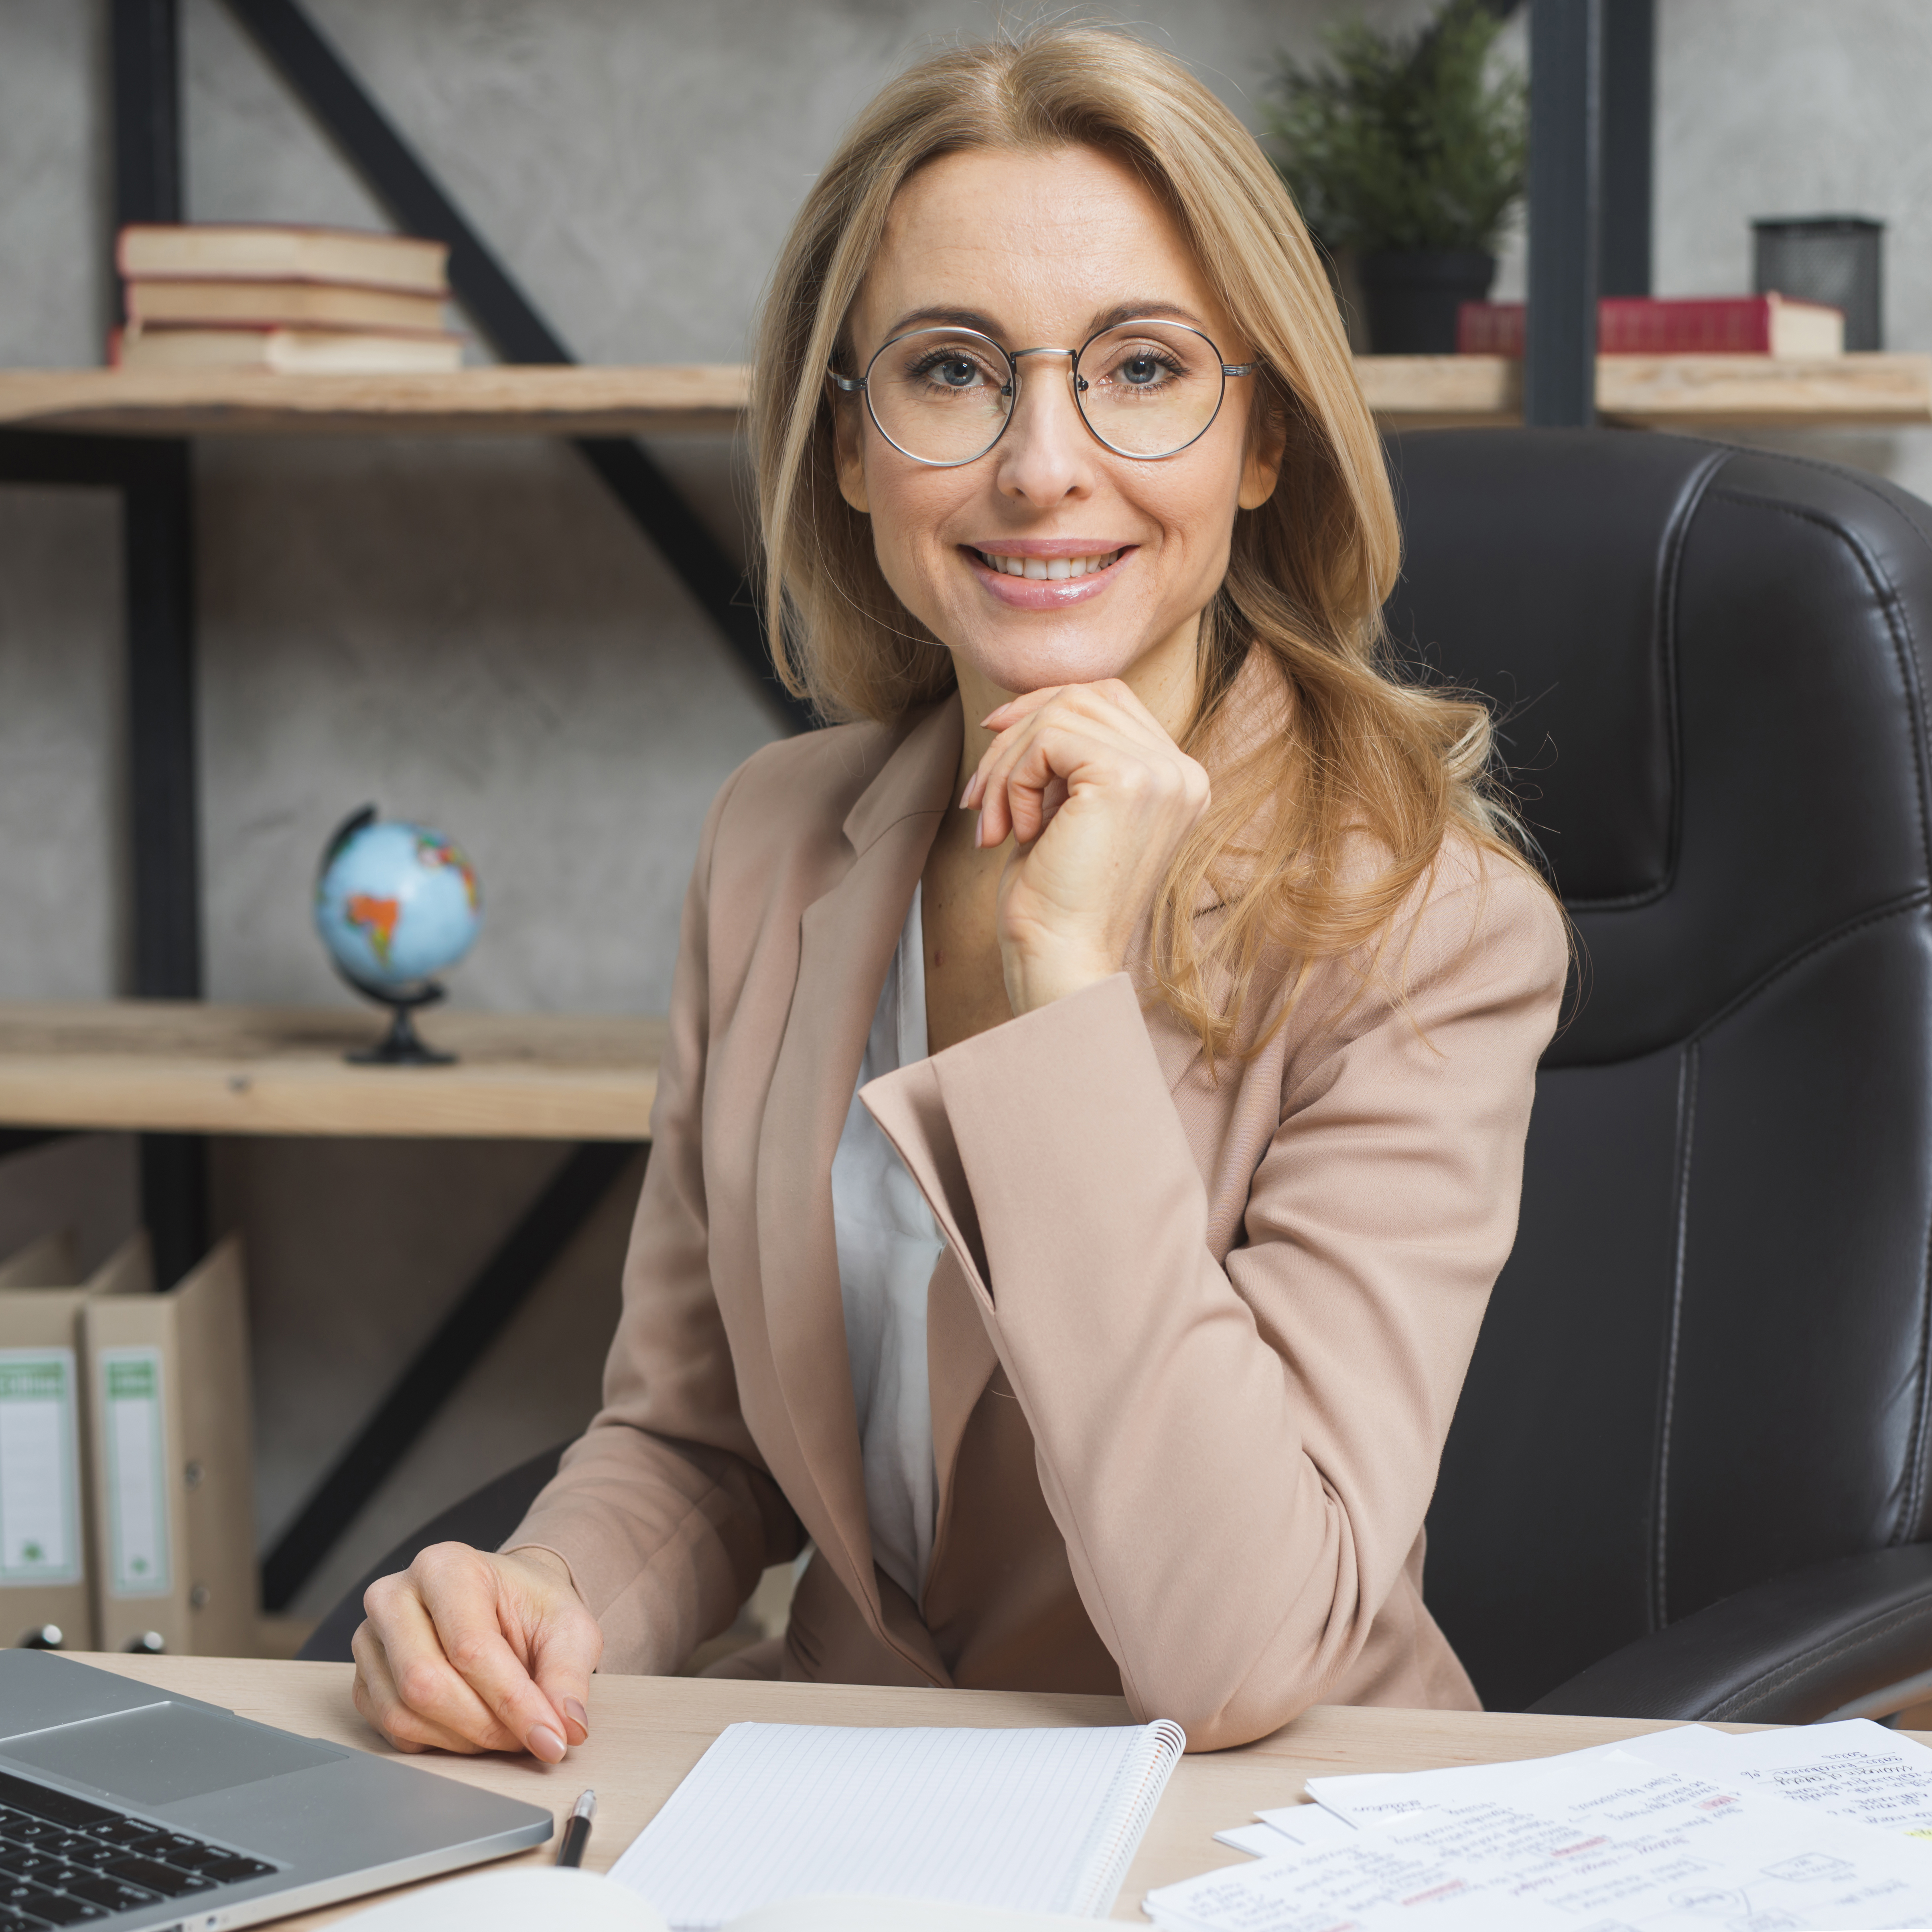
(1834, 258)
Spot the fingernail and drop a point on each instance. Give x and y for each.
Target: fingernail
(544, 1743)
(980, 829)
(576, 1714)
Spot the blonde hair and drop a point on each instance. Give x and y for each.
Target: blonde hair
(1357, 751)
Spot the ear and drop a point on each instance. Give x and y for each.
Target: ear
(848, 428)
(1261, 463)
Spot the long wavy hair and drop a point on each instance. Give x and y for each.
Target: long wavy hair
(1354, 760)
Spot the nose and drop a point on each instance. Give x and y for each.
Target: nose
(1046, 455)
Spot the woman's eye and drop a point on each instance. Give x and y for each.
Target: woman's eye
(1139, 370)
(949, 372)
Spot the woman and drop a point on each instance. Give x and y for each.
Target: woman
(1093, 1116)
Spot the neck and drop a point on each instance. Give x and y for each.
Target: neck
(1166, 679)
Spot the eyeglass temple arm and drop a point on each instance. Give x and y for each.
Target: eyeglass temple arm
(1239, 368)
(848, 383)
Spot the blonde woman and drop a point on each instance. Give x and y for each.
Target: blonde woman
(1093, 1116)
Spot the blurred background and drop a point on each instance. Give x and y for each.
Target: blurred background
(473, 633)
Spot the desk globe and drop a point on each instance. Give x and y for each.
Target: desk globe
(395, 905)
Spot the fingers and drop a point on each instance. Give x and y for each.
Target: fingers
(446, 1656)
(1050, 741)
(383, 1707)
(433, 1702)
(567, 1651)
(461, 1590)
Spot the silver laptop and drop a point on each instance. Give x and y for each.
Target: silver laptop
(122, 1806)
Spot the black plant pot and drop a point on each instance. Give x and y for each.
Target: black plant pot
(1412, 297)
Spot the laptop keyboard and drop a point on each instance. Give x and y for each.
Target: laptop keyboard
(66, 1862)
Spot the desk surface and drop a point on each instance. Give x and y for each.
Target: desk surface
(646, 1732)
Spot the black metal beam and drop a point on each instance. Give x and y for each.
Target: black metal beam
(465, 1333)
(1565, 210)
(157, 565)
(1629, 91)
(143, 51)
(400, 178)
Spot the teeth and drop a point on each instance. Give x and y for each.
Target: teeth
(1049, 569)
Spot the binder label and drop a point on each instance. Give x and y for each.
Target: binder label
(39, 1468)
(133, 1437)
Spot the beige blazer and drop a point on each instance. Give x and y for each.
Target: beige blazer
(1196, 1337)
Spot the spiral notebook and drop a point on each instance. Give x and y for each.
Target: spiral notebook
(1031, 1820)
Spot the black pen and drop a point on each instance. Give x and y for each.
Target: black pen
(576, 1832)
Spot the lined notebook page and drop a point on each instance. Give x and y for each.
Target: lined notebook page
(1034, 1820)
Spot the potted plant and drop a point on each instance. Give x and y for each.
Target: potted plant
(1408, 151)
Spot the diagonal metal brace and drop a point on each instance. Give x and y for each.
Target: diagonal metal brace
(399, 178)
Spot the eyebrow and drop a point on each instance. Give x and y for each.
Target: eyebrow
(973, 318)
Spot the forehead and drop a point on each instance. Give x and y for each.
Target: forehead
(1041, 243)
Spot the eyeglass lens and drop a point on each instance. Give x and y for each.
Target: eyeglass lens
(1146, 388)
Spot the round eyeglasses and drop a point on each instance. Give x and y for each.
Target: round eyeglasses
(944, 397)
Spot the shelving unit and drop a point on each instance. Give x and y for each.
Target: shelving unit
(701, 399)
(185, 1066)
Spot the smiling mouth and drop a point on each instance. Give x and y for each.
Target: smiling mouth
(1049, 569)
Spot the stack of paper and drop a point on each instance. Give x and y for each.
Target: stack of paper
(1689, 1830)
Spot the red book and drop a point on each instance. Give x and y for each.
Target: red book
(1642, 325)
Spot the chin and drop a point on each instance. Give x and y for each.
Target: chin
(1019, 664)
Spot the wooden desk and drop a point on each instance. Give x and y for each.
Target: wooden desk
(646, 1732)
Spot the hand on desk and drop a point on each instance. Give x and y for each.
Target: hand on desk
(470, 1651)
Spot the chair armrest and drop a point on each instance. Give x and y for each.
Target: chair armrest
(1798, 1648)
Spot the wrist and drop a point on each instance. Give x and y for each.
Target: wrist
(546, 1562)
(1036, 979)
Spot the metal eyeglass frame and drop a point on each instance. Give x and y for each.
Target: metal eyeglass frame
(859, 385)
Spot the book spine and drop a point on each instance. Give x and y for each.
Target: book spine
(1632, 325)
(1490, 329)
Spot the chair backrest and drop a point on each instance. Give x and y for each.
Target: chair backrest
(1706, 1363)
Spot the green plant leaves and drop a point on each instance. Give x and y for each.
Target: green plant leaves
(1404, 141)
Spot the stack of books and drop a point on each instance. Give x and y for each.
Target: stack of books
(1768, 324)
(308, 300)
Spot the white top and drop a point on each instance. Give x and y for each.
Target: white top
(888, 1244)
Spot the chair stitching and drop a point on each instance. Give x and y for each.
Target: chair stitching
(1881, 1623)
(1803, 956)
(1911, 902)
(1687, 1120)
(1892, 603)
(1898, 619)
(1841, 474)
(1664, 642)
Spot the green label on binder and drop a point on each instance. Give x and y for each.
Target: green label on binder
(135, 1475)
(39, 1462)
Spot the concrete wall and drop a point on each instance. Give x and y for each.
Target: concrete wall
(472, 633)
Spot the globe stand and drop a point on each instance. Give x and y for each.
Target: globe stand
(402, 1045)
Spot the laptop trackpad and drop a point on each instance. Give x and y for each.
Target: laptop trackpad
(167, 1752)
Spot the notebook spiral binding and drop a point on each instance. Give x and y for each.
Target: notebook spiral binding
(1124, 1819)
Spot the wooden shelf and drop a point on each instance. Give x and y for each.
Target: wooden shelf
(1405, 392)
(669, 400)
(182, 1067)
(1713, 392)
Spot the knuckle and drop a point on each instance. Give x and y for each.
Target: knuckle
(419, 1685)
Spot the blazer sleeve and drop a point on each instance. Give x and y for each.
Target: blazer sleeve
(663, 1509)
(1240, 1454)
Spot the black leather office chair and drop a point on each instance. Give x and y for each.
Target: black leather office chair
(1689, 1476)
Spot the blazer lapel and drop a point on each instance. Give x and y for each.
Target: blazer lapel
(846, 939)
